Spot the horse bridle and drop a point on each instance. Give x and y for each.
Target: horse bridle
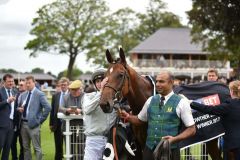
(118, 91)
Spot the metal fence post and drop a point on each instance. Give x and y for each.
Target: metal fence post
(68, 132)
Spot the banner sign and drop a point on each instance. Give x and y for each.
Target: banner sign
(208, 126)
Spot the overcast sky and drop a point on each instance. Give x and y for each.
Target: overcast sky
(15, 23)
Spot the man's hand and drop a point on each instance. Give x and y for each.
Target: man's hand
(169, 138)
(11, 99)
(78, 111)
(20, 109)
(69, 111)
(123, 114)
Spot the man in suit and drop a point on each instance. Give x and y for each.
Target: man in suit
(35, 108)
(7, 98)
(55, 123)
(17, 125)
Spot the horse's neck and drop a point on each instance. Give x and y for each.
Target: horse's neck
(136, 96)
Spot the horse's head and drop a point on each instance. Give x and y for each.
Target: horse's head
(118, 82)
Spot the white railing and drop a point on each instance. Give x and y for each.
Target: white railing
(194, 152)
(70, 130)
(178, 63)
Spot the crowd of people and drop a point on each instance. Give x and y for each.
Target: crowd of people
(23, 111)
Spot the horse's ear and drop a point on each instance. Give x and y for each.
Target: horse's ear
(109, 56)
(122, 57)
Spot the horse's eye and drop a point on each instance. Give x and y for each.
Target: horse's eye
(120, 75)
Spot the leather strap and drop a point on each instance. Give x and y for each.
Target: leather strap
(114, 143)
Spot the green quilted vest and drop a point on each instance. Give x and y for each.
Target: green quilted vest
(162, 121)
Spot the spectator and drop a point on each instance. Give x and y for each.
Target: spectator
(35, 108)
(7, 98)
(72, 104)
(212, 75)
(229, 112)
(55, 123)
(17, 125)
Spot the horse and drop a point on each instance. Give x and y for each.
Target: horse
(125, 82)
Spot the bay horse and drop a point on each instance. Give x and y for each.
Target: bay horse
(125, 82)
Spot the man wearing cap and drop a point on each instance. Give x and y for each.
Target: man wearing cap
(72, 104)
(97, 123)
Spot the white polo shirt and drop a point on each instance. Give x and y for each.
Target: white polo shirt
(183, 110)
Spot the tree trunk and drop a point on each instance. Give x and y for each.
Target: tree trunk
(72, 59)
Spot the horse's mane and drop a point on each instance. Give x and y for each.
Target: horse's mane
(137, 74)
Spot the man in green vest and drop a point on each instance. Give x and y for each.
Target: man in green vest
(164, 113)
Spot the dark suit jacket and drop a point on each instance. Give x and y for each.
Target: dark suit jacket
(17, 115)
(5, 108)
(229, 112)
(54, 121)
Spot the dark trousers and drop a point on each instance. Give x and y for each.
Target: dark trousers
(148, 154)
(14, 146)
(58, 139)
(233, 154)
(212, 149)
(6, 135)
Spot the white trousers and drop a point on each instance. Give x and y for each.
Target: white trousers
(94, 147)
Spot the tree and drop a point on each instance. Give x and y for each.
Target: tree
(126, 28)
(216, 24)
(68, 27)
(118, 32)
(76, 72)
(37, 70)
(8, 71)
(154, 19)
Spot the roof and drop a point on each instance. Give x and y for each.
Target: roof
(169, 40)
(37, 76)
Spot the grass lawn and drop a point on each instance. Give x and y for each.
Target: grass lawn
(47, 142)
(49, 149)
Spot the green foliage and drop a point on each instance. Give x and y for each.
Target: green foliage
(37, 70)
(154, 19)
(68, 27)
(8, 70)
(216, 24)
(117, 32)
(74, 27)
(75, 73)
(126, 28)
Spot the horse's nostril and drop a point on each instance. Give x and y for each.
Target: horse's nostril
(106, 107)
